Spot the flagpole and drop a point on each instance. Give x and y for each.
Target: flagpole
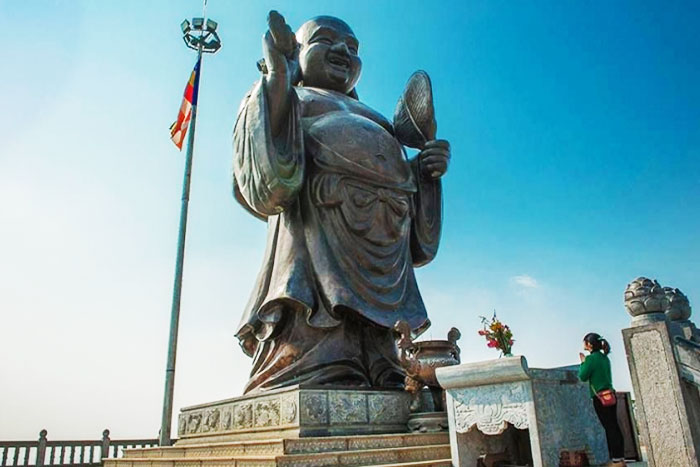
(166, 422)
(207, 41)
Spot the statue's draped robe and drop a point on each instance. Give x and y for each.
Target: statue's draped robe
(348, 219)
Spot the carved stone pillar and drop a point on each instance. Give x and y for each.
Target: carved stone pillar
(664, 361)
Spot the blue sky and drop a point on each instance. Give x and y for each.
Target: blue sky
(575, 130)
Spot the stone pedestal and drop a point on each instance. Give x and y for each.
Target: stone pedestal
(490, 405)
(668, 406)
(295, 412)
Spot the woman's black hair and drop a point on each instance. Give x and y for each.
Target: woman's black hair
(597, 343)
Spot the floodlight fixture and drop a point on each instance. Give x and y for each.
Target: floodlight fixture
(212, 46)
(200, 35)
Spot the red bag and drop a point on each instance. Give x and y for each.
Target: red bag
(606, 397)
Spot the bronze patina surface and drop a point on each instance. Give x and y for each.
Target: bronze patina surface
(421, 359)
(349, 215)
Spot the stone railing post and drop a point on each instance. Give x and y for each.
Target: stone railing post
(664, 363)
(104, 448)
(41, 448)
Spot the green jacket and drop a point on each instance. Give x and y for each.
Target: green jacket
(596, 370)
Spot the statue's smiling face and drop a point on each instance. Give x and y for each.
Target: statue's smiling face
(328, 56)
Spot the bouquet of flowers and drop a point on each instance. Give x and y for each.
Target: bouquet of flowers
(497, 334)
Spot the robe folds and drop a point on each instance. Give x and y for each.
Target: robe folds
(349, 217)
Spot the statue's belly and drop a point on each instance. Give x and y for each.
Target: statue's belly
(361, 183)
(351, 144)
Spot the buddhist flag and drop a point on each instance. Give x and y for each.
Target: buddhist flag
(178, 130)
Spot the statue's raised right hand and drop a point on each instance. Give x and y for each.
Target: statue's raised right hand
(279, 43)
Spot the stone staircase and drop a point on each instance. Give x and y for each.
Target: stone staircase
(418, 450)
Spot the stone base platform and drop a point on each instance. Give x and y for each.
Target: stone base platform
(296, 412)
(416, 450)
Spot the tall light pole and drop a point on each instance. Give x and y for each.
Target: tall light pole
(201, 36)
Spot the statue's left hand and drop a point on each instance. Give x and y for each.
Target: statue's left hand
(434, 158)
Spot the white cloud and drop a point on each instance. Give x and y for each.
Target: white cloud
(526, 281)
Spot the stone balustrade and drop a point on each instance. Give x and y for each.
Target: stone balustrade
(74, 453)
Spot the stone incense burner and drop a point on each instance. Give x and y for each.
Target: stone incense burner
(420, 359)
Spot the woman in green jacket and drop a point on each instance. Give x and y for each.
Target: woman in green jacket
(595, 368)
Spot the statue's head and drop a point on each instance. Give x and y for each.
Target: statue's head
(328, 54)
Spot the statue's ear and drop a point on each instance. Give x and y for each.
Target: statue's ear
(353, 94)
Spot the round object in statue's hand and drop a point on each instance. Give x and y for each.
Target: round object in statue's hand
(414, 117)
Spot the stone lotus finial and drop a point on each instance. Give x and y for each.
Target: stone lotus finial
(679, 306)
(645, 296)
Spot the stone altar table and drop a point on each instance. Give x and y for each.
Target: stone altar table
(502, 397)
